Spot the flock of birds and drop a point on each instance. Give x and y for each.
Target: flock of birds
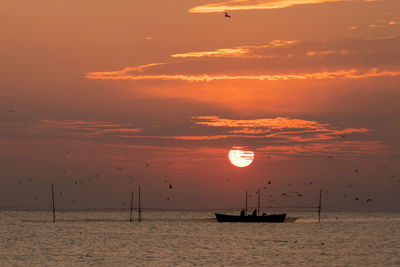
(291, 192)
(287, 194)
(95, 177)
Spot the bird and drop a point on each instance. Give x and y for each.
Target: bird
(345, 195)
(227, 15)
(356, 170)
(119, 168)
(30, 179)
(331, 157)
(170, 186)
(356, 198)
(20, 182)
(123, 203)
(264, 187)
(368, 200)
(269, 182)
(167, 198)
(343, 136)
(10, 110)
(147, 164)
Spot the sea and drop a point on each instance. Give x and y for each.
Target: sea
(170, 238)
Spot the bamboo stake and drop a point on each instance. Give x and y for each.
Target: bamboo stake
(319, 207)
(131, 216)
(246, 202)
(140, 210)
(258, 207)
(53, 206)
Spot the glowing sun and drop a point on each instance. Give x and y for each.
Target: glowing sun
(240, 157)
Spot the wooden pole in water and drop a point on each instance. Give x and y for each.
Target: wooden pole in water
(53, 206)
(140, 209)
(246, 203)
(319, 207)
(258, 207)
(131, 217)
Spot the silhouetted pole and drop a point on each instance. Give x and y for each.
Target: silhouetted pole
(319, 207)
(52, 198)
(140, 209)
(131, 217)
(258, 207)
(246, 203)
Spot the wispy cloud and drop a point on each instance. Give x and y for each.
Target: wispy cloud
(72, 128)
(279, 136)
(254, 4)
(126, 74)
(239, 51)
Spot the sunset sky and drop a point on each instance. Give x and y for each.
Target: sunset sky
(98, 97)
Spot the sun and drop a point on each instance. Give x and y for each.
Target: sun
(240, 157)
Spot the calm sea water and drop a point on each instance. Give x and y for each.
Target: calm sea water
(196, 239)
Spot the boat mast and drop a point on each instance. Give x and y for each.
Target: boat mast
(246, 204)
(258, 207)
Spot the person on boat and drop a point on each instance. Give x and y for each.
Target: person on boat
(254, 213)
(242, 213)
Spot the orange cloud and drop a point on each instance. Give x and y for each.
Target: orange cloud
(254, 4)
(239, 51)
(126, 74)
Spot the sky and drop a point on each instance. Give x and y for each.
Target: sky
(99, 97)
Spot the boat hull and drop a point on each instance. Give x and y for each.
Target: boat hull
(273, 218)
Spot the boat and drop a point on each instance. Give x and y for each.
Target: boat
(271, 218)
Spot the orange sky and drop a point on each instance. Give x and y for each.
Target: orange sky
(117, 94)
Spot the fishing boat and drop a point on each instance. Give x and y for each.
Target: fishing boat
(271, 218)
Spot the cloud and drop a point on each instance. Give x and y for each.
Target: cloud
(255, 5)
(239, 51)
(280, 136)
(72, 128)
(278, 60)
(125, 74)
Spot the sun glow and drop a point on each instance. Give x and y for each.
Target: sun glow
(239, 157)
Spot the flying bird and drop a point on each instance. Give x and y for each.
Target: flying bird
(368, 200)
(227, 15)
(170, 186)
